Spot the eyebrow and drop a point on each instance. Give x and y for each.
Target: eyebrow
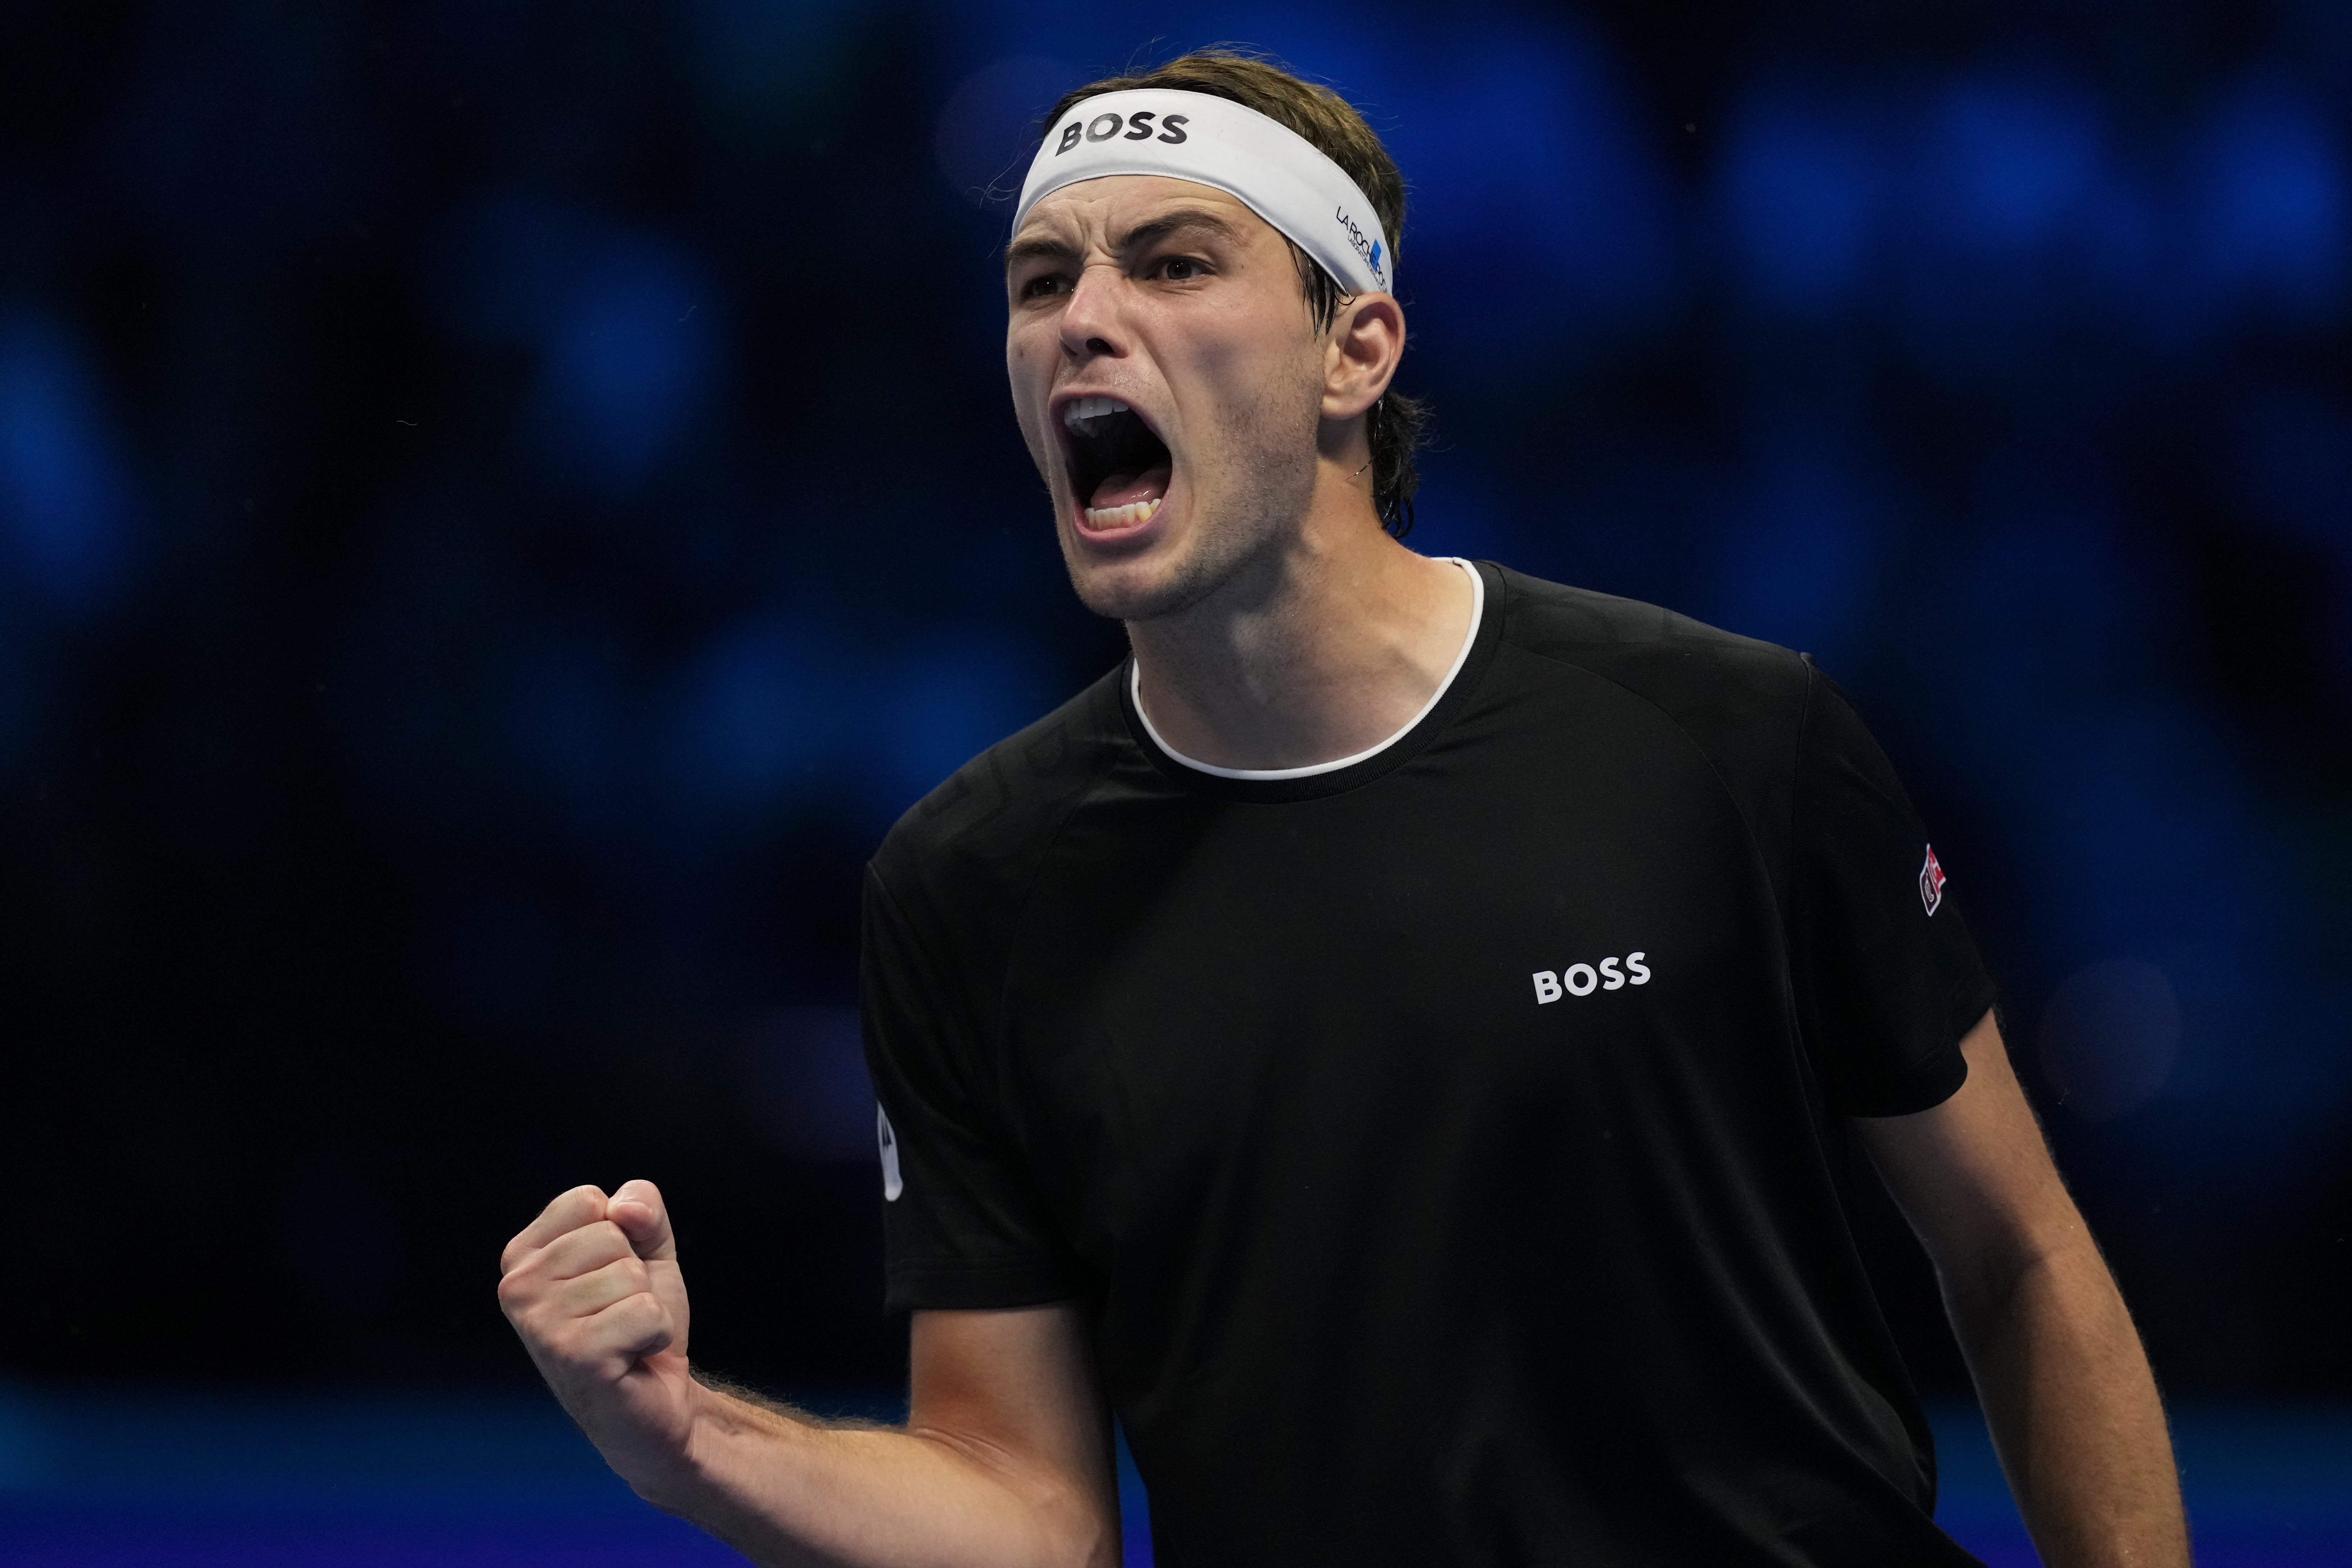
(1047, 248)
(1177, 221)
(1038, 247)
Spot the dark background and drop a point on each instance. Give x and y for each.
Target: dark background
(501, 504)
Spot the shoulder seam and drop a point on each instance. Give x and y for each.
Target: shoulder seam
(1020, 910)
(1797, 802)
(1755, 847)
(1673, 624)
(1017, 903)
(908, 929)
(1651, 703)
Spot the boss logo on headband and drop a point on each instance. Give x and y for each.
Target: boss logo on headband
(1370, 249)
(1137, 127)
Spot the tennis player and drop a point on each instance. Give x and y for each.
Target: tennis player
(1404, 1041)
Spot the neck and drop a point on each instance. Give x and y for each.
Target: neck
(1324, 646)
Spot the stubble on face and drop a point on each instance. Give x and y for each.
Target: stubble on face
(1251, 483)
(1222, 360)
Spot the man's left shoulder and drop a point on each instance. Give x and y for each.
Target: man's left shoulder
(1739, 698)
(1740, 703)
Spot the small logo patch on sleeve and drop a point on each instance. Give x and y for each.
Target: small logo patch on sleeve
(891, 1186)
(1931, 881)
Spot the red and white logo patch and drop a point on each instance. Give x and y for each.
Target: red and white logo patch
(1931, 881)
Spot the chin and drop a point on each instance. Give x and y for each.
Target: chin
(1135, 590)
(1175, 573)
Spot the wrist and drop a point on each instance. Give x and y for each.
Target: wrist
(658, 1457)
(690, 1474)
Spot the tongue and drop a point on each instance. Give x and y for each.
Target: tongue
(1126, 489)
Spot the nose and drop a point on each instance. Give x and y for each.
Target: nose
(1091, 324)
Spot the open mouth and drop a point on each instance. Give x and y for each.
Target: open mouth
(1118, 467)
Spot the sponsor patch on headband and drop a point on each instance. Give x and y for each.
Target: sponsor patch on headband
(1214, 141)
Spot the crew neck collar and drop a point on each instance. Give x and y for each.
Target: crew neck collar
(1317, 769)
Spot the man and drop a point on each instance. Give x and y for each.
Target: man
(1397, 1041)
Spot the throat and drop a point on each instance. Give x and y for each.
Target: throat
(1268, 692)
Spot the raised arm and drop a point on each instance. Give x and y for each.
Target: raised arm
(2065, 1386)
(1004, 1459)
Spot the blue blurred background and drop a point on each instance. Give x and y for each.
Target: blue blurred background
(503, 504)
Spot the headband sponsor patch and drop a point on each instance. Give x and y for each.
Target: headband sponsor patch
(1214, 141)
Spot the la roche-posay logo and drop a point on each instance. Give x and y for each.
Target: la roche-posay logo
(1366, 247)
(1584, 979)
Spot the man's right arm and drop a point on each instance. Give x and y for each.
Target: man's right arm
(1004, 1458)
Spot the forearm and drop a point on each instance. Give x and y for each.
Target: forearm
(2072, 1408)
(787, 1492)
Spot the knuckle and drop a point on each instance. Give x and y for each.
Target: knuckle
(533, 1333)
(518, 1288)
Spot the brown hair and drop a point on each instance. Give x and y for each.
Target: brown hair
(1394, 425)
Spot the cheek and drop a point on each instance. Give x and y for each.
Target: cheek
(1262, 391)
(1030, 337)
(1258, 346)
(1027, 372)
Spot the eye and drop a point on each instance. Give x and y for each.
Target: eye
(1043, 285)
(1181, 269)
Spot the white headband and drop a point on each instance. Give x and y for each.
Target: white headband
(1214, 141)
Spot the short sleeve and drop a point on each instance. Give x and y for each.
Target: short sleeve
(963, 1222)
(1887, 979)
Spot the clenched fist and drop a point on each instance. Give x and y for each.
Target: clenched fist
(593, 1286)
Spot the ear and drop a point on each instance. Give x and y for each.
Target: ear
(1367, 341)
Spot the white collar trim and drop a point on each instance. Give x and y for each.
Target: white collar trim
(1461, 657)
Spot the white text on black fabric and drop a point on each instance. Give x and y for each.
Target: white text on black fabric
(1584, 979)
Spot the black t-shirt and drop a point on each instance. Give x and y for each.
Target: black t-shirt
(1448, 1146)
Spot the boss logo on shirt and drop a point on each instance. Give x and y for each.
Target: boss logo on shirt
(1584, 979)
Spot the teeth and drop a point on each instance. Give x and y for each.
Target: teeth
(1082, 412)
(1128, 516)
